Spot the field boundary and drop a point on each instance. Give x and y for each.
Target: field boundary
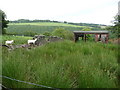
(4, 87)
(28, 82)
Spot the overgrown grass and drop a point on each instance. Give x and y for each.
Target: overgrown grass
(62, 65)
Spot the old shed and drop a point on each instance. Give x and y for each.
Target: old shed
(99, 35)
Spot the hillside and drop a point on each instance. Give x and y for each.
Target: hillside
(42, 27)
(47, 24)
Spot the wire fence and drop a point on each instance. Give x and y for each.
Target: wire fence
(4, 87)
(27, 83)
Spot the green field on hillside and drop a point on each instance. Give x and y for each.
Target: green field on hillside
(64, 64)
(41, 27)
(46, 24)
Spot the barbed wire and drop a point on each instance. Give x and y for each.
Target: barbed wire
(28, 82)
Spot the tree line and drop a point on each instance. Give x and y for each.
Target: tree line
(36, 20)
(31, 21)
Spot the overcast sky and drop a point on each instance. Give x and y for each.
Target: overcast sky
(86, 11)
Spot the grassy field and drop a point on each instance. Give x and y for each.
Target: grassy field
(21, 28)
(46, 24)
(17, 39)
(62, 65)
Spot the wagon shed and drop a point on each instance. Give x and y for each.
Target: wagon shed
(99, 35)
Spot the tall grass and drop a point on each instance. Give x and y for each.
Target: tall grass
(62, 65)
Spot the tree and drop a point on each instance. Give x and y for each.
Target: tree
(3, 22)
(115, 29)
(117, 25)
(88, 35)
(65, 21)
(23, 20)
(61, 32)
(47, 34)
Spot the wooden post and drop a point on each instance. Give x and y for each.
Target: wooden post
(96, 37)
(82, 37)
(76, 38)
(107, 37)
(99, 37)
(85, 37)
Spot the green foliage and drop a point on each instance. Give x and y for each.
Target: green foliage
(89, 36)
(61, 32)
(47, 34)
(115, 30)
(86, 29)
(4, 31)
(3, 22)
(117, 20)
(30, 33)
(62, 65)
(117, 25)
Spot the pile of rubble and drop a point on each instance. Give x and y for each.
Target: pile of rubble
(41, 40)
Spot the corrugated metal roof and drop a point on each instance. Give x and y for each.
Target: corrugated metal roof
(91, 32)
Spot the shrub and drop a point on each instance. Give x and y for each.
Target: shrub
(89, 36)
(61, 32)
(47, 34)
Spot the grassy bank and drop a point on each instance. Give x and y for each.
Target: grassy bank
(62, 65)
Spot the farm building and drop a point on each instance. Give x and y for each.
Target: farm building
(99, 35)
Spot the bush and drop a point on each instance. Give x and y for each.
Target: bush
(61, 32)
(89, 36)
(47, 34)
